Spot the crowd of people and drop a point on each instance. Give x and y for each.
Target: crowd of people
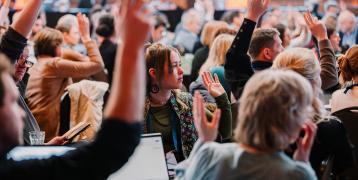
(262, 89)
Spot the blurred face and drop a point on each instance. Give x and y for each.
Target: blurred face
(276, 47)
(334, 38)
(286, 38)
(332, 10)
(172, 78)
(347, 25)
(72, 37)
(158, 33)
(194, 25)
(12, 115)
(238, 20)
(39, 24)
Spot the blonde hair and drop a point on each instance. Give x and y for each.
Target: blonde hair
(66, 22)
(209, 31)
(217, 52)
(304, 62)
(348, 64)
(273, 106)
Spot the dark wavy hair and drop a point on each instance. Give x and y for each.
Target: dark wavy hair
(105, 26)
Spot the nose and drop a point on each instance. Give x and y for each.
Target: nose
(180, 70)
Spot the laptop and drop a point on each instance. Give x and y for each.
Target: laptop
(148, 161)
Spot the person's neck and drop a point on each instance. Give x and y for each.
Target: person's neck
(160, 98)
(253, 150)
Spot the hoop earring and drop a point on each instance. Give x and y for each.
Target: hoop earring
(154, 89)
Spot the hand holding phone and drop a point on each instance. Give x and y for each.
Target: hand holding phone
(304, 144)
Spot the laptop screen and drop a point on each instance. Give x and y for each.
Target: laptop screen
(147, 162)
(37, 152)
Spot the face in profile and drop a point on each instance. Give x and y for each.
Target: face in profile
(173, 73)
(73, 36)
(12, 115)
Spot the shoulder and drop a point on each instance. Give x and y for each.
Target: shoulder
(337, 94)
(302, 171)
(183, 96)
(330, 128)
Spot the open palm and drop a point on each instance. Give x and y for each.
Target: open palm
(212, 85)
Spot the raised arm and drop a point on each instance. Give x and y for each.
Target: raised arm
(238, 68)
(128, 88)
(14, 40)
(329, 72)
(87, 65)
(27, 17)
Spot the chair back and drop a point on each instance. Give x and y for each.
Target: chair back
(349, 118)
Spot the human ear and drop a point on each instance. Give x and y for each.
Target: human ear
(267, 53)
(152, 73)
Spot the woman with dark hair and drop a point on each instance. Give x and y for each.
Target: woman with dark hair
(107, 47)
(168, 110)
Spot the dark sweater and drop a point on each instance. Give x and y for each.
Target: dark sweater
(114, 144)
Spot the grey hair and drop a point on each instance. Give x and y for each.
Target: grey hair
(273, 106)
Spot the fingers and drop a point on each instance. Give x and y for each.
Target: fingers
(216, 118)
(216, 78)
(205, 80)
(310, 131)
(266, 3)
(195, 109)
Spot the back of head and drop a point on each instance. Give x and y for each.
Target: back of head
(217, 52)
(348, 64)
(229, 16)
(209, 31)
(304, 62)
(300, 60)
(46, 41)
(262, 38)
(273, 106)
(65, 23)
(105, 26)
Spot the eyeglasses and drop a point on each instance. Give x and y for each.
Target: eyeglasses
(25, 59)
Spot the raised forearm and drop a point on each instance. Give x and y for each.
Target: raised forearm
(27, 17)
(128, 92)
(329, 72)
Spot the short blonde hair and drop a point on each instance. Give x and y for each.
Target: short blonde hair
(217, 53)
(304, 62)
(273, 106)
(209, 31)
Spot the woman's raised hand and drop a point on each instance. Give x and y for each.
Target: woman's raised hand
(207, 131)
(83, 27)
(213, 85)
(317, 27)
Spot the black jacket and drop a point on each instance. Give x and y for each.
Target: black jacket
(114, 144)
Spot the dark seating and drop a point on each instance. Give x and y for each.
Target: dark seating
(349, 117)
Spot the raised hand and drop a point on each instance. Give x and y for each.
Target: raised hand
(207, 131)
(133, 23)
(212, 85)
(304, 144)
(83, 27)
(317, 28)
(255, 8)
